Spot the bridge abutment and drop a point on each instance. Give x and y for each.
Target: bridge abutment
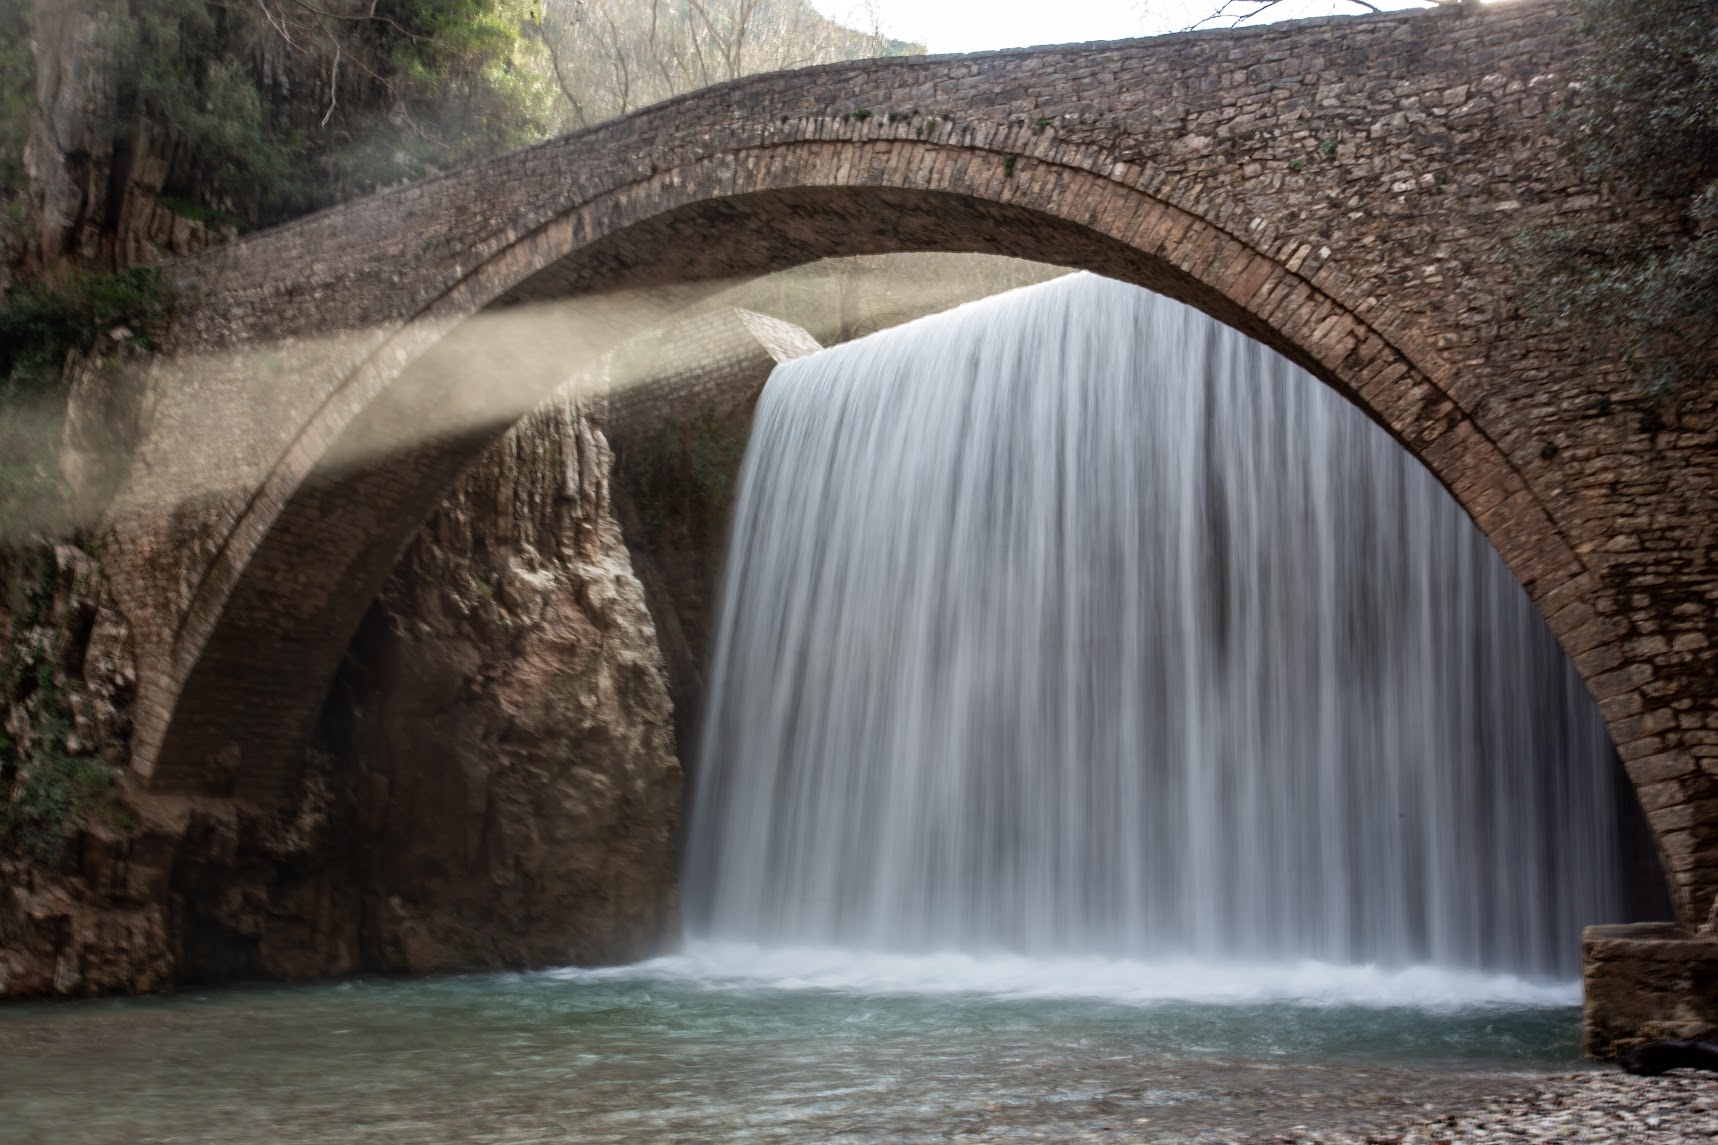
(1644, 982)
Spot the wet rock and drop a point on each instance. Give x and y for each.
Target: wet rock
(1655, 1058)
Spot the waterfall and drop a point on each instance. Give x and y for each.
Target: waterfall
(1075, 622)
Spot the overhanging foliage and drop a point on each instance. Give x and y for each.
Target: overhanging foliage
(1643, 283)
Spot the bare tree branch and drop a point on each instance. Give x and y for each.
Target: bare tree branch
(611, 57)
(333, 84)
(1234, 13)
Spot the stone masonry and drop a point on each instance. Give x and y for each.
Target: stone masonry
(1342, 189)
(1646, 981)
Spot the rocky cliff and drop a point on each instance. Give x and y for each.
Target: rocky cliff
(96, 192)
(495, 782)
(506, 725)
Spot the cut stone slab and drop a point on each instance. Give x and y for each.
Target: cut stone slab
(1645, 981)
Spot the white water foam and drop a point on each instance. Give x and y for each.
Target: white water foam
(743, 966)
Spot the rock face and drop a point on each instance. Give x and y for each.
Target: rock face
(506, 726)
(65, 686)
(494, 782)
(97, 200)
(68, 156)
(494, 786)
(106, 889)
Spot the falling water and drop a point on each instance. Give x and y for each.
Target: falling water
(1073, 622)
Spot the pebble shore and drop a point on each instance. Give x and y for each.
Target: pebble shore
(1591, 1106)
(1587, 1107)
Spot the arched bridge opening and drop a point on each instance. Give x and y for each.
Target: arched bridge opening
(416, 326)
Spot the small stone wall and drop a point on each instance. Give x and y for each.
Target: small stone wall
(1647, 981)
(715, 363)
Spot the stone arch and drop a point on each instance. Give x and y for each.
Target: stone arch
(372, 308)
(265, 610)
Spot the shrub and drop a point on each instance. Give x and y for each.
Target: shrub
(1643, 282)
(40, 325)
(43, 786)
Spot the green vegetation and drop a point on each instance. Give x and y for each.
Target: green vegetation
(41, 323)
(40, 326)
(353, 96)
(1643, 283)
(173, 67)
(43, 786)
(684, 472)
(465, 80)
(263, 110)
(50, 788)
(212, 217)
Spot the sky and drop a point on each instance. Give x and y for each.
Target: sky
(979, 25)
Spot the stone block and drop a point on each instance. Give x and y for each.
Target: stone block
(1645, 981)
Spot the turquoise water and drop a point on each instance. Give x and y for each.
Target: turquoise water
(742, 1044)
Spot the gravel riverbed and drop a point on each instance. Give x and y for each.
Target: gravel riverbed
(1590, 1106)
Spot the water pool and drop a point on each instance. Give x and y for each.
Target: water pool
(733, 1043)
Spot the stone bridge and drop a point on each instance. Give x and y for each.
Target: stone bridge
(1341, 189)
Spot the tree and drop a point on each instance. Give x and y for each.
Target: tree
(242, 113)
(294, 103)
(1643, 281)
(611, 57)
(247, 112)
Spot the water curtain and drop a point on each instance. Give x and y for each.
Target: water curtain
(1075, 622)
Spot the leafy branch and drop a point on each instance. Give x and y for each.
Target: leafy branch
(1639, 281)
